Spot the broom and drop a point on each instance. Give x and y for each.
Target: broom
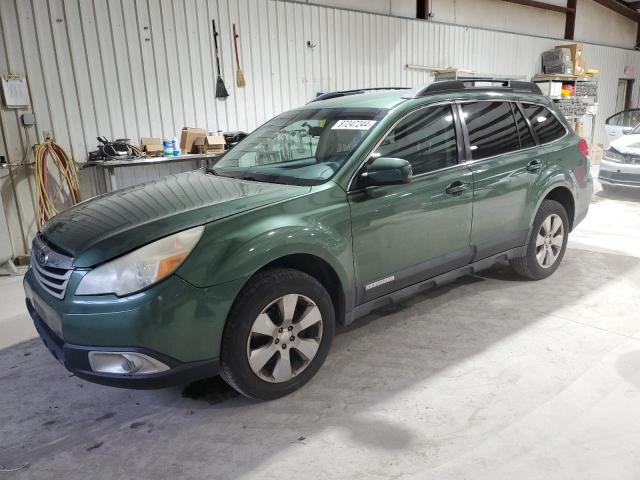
(221, 90)
(239, 74)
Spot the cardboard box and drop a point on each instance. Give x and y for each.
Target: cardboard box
(151, 146)
(188, 136)
(579, 65)
(154, 150)
(210, 144)
(144, 141)
(575, 49)
(578, 128)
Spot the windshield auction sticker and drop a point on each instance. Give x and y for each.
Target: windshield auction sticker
(353, 125)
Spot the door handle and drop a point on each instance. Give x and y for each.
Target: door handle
(456, 188)
(534, 165)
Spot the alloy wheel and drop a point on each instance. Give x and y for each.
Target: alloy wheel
(549, 241)
(284, 338)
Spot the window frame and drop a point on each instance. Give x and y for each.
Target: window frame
(533, 132)
(469, 154)
(518, 103)
(460, 142)
(606, 121)
(381, 115)
(517, 106)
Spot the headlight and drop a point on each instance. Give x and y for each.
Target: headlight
(142, 267)
(613, 156)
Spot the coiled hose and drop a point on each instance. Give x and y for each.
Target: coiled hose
(68, 172)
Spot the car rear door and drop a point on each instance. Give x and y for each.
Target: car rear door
(403, 234)
(504, 165)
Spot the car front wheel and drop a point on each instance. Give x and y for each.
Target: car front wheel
(277, 335)
(547, 242)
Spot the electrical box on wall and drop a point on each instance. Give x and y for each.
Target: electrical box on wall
(28, 119)
(15, 91)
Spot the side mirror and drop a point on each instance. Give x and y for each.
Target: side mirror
(627, 130)
(386, 171)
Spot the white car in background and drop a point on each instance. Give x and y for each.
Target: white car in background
(621, 123)
(620, 165)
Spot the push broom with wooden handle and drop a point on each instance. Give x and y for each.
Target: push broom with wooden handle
(221, 90)
(239, 74)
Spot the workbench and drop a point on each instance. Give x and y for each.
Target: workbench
(111, 175)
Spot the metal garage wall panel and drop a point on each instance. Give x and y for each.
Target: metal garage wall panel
(106, 73)
(81, 78)
(148, 69)
(130, 28)
(131, 68)
(86, 35)
(147, 65)
(15, 140)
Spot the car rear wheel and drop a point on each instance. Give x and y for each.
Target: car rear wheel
(547, 242)
(277, 335)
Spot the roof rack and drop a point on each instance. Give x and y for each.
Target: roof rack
(517, 86)
(344, 93)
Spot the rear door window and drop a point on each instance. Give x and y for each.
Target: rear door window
(544, 123)
(492, 128)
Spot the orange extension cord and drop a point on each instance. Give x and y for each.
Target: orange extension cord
(68, 172)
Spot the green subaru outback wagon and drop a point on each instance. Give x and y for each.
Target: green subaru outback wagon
(323, 214)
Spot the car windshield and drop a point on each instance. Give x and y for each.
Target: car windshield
(300, 147)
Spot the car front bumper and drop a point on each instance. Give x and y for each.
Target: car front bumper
(173, 323)
(76, 359)
(619, 174)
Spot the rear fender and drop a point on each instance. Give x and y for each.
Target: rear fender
(551, 181)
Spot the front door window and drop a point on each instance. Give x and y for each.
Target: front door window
(425, 138)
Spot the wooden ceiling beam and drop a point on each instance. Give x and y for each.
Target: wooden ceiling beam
(620, 8)
(570, 20)
(422, 9)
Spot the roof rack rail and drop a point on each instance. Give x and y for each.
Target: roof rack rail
(344, 93)
(517, 86)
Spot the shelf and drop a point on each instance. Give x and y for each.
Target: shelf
(580, 97)
(564, 79)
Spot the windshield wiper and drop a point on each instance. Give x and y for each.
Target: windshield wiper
(218, 173)
(252, 176)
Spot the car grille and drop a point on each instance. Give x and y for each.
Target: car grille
(50, 268)
(633, 159)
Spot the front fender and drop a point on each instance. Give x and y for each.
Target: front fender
(236, 247)
(317, 241)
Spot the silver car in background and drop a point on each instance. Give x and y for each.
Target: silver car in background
(620, 166)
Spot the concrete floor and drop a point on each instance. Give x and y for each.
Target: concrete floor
(488, 378)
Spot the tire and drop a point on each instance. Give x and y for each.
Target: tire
(257, 328)
(606, 188)
(530, 266)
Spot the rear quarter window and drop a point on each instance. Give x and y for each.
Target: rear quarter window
(544, 123)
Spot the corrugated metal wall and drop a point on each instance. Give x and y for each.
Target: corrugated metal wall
(132, 68)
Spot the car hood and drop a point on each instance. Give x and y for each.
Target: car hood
(115, 223)
(627, 144)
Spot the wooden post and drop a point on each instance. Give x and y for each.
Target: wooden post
(570, 20)
(422, 9)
